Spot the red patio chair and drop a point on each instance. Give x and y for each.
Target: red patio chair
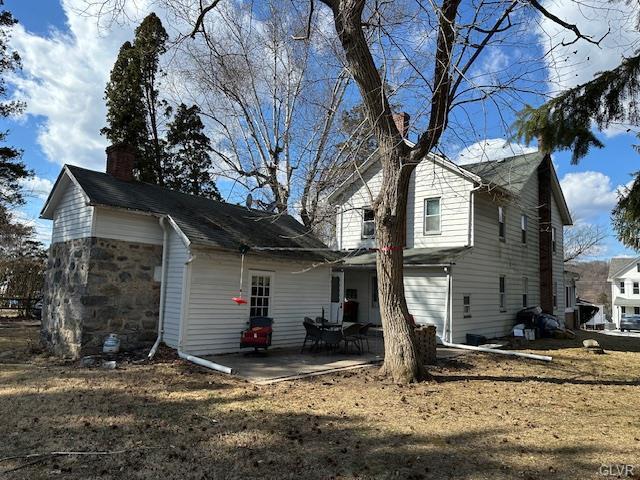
(258, 335)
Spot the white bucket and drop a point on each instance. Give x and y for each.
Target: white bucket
(111, 344)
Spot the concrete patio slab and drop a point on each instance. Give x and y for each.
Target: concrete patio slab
(277, 365)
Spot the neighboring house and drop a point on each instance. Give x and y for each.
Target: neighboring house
(123, 252)
(624, 275)
(483, 241)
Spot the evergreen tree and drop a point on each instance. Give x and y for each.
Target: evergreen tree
(126, 122)
(189, 168)
(12, 169)
(565, 123)
(150, 44)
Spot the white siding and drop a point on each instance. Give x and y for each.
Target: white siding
(215, 321)
(177, 255)
(477, 273)
(73, 217)
(431, 180)
(126, 226)
(631, 300)
(426, 294)
(427, 181)
(349, 219)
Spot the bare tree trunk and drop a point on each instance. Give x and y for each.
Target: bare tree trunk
(401, 361)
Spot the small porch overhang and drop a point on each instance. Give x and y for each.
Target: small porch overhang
(413, 257)
(626, 302)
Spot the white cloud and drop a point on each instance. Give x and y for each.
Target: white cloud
(63, 82)
(42, 228)
(37, 187)
(589, 195)
(490, 149)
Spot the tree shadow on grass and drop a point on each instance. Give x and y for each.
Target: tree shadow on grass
(206, 426)
(612, 343)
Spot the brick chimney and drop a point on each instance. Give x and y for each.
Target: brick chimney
(402, 123)
(121, 159)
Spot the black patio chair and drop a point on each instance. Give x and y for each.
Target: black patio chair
(332, 338)
(350, 336)
(363, 335)
(313, 333)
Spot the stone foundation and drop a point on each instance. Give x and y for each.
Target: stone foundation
(96, 286)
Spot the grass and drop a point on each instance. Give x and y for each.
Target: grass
(479, 416)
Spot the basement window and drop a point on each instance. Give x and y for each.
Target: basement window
(368, 223)
(466, 306)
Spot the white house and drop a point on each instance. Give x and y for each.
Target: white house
(483, 241)
(624, 275)
(125, 253)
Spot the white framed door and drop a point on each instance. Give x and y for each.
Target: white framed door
(337, 296)
(374, 305)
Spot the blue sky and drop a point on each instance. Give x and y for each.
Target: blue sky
(66, 63)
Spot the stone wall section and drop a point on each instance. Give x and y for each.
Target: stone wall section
(96, 286)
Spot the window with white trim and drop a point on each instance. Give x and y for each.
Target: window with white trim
(503, 293)
(432, 216)
(623, 310)
(622, 287)
(524, 223)
(501, 224)
(555, 294)
(636, 310)
(260, 302)
(636, 288)
(466, 306)
(554, 241)
(525, 292)
(368, 223)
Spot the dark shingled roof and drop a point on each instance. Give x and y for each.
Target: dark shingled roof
(205, 222)
(511, 173)
(412, 256)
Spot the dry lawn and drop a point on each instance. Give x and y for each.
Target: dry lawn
(480, 416)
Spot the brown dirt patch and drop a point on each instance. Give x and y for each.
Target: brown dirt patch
(480, 416)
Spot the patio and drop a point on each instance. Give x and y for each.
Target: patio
(282, 364)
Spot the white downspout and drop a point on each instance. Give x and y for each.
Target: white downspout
(186, 286)
(447, 336)
(163, 288)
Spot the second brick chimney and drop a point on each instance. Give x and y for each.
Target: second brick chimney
(121, 160)
(402, 123)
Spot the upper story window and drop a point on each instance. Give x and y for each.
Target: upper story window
(638, 266)
(501, 224)
(554, 240)
(503, 293)
(636, 288)
(368, 223)
(622, 287)
(524, 223)
(432, 216)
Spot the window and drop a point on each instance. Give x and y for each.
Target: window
(622, 287)
(260, 295)
(466, 306)
(638, 267)
(623, 310)
(636, 310)
(524, 223)
(555, 294)
(636, 288)
(352, 293)
(525, 291)
(554, 243)
(432, 216)
(368, 223)
(567, 297)
(503, 294)
(501, 223)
